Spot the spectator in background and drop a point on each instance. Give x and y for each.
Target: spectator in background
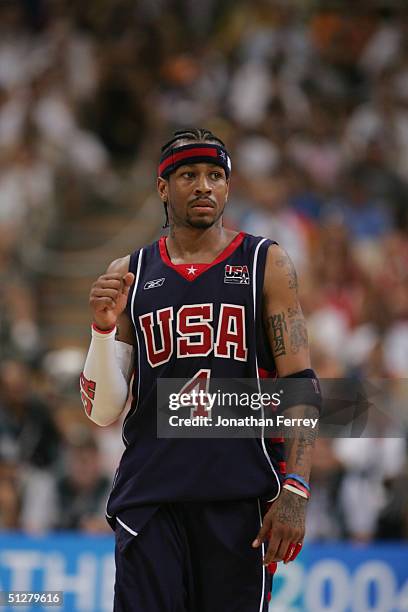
(27, 431)
(337, 290)
(19, 330)
(382, 182)
(368, 463)
(325, 520)
(30, 450)
(10, 502)
(392, 523)
(364, 217)
(315, 146)
(270, 215)
(82, 491)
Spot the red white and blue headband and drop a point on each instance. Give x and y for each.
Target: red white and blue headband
(194, 154)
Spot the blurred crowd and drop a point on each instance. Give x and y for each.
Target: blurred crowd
(312, 103)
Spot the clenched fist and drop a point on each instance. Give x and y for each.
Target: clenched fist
(108, 298)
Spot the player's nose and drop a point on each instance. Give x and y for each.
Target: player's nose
(203, 184)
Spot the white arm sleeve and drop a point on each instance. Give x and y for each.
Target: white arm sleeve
(106, 376)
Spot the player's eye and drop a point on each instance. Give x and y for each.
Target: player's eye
(188, 174)
(216, 176)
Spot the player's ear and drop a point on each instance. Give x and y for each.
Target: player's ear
(227, 191)
(162, 189)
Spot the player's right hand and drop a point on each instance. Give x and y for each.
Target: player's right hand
(108, 298)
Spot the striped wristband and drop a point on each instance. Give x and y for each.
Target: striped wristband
(296, 484)
(293, 489)
(298, 479)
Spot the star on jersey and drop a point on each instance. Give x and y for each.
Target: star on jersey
(192, 270)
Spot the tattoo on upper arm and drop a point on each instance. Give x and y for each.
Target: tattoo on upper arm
(298, 335)
(297, 329)
(277, 323)
(284, 261)
(294, 312)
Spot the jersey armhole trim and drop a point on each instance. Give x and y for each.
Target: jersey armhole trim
(132, 302)
(254, 275)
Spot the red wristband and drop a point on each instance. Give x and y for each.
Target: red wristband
(102, 331)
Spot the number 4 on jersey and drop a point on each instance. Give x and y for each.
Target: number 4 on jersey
(199, 382)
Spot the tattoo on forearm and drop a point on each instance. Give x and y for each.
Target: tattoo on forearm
(297, 446)
(285, 262)
(277, 323)
(298, 335)
(300, 449)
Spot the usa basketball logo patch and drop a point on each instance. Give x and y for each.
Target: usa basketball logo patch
(236, 275)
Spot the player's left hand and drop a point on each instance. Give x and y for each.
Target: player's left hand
(284, 526)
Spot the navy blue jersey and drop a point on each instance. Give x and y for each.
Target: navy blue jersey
(192, 320)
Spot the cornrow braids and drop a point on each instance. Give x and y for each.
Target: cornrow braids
(193, 134)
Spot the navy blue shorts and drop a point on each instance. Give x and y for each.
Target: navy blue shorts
(193, 557)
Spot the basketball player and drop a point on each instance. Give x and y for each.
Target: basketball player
(191, 519)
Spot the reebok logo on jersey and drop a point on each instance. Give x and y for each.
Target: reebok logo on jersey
(236, 275)
(158, 282)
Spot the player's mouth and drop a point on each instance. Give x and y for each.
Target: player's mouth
(203, 204)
